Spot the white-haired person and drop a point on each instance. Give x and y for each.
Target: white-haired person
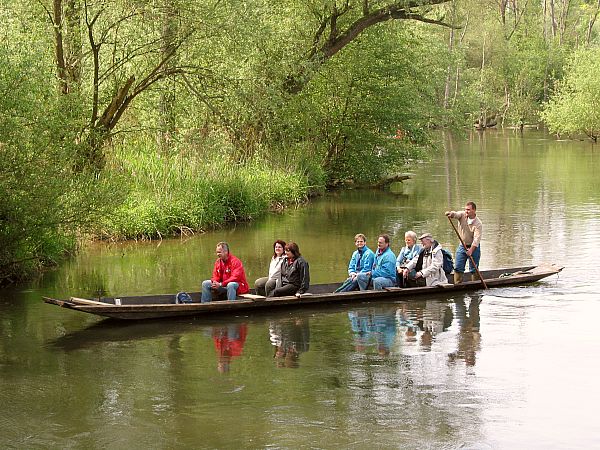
(428, 264)
(407, 253)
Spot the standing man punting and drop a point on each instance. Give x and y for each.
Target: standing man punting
(469, 228)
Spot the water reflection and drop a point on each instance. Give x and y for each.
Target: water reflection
(290, 337)
(469, 335)
(373, 327)
(229, 342)
(410, 325)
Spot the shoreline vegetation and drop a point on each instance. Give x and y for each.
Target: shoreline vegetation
(149, 119)
(184, 194)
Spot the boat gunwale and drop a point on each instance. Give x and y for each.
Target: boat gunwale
(166, 310)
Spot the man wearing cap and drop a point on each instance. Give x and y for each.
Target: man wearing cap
(469, 229)
(428, 264)
(383, 271)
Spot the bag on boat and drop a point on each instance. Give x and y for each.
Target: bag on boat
(183, 297)
(448, 261)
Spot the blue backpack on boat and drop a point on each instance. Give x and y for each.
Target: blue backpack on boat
(448, 261)
(183, 297)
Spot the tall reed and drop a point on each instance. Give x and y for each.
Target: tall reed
(169, 195)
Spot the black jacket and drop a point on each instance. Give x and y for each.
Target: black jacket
(296, 274)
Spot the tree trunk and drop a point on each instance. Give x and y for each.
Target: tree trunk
(56, 17)
(593, 17)
(448, 71)
(73, 43)
(553, 19)
(325, 47)
(166, 119)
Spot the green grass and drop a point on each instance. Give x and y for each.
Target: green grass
(172, 195)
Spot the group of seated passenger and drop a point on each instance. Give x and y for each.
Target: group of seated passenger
(288, 274)
(416, 264)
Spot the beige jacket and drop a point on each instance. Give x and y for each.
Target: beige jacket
(433, 266)
(471, 234)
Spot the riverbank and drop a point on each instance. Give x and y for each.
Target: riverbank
(186, 193)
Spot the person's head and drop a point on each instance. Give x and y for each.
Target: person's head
(222, 251)
(278, 248)
(426, 240)
(470, 210)
(383, 241)
(360, 240)
(410, 238)
(291, 249)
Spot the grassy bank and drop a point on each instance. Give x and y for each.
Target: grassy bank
(167, 196)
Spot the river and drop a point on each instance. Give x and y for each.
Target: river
(501, 368)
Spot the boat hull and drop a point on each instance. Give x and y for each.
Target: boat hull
(163, 306)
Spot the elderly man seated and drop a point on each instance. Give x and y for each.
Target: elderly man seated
(428, 264)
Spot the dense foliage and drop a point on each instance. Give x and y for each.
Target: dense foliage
(575, 108)
(140, 119)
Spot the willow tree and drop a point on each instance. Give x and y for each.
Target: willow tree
(339, 23)
(109, 53)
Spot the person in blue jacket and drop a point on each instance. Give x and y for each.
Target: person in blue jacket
(408, 252)
(361, 261)
(383, 271)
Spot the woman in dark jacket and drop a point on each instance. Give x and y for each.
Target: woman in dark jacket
(295, 277)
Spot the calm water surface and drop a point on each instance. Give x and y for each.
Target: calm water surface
(504, 368)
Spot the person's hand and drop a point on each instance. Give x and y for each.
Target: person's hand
(419, 275)
(298, 294)
(448, 213)
(405, 273)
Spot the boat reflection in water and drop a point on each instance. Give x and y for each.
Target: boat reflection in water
(469, 336)
(413, 328)
(290, 337)
(229, 342)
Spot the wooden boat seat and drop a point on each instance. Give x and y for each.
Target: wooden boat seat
(252, 297)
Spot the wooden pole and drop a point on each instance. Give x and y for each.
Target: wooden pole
(470, 256)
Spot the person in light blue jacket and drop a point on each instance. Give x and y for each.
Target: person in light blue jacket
(408, 252)
(383, 272)
(361, 261)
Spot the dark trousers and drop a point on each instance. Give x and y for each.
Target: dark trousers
(288, 289)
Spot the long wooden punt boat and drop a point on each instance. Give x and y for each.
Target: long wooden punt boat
(163, 306)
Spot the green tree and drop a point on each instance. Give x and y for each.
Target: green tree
(44, 205)
(575, 106)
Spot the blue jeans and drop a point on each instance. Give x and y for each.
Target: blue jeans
(363, 281)
(351, 286)
(462, 258)
(207, 291)
(378, 283)
(382, 282)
